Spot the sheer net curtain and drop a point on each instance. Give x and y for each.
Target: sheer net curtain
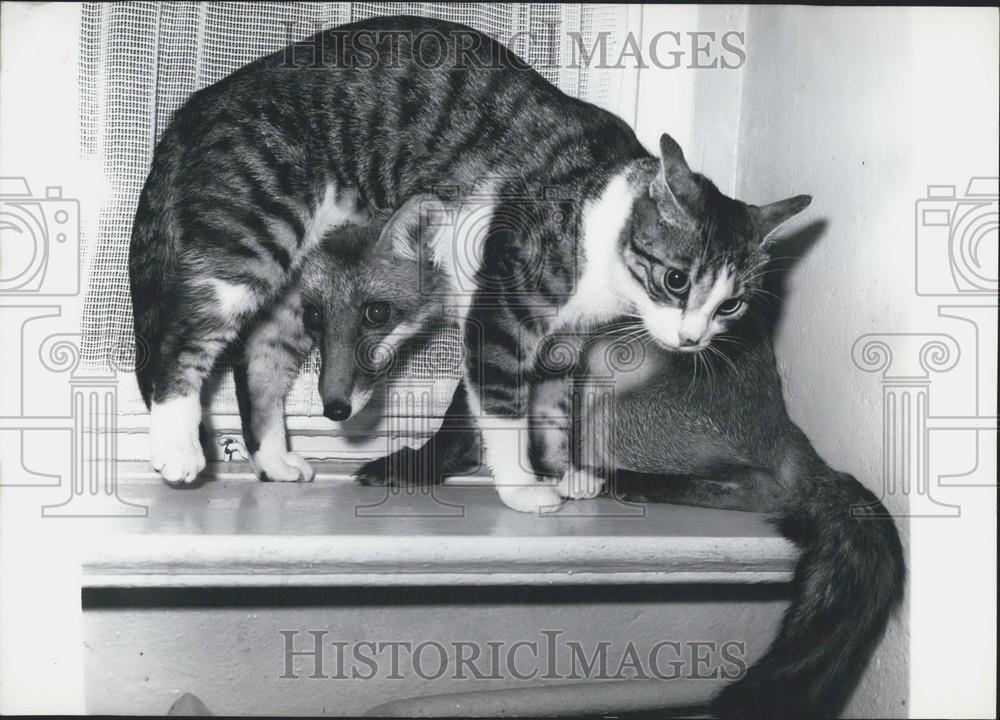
(140, 61)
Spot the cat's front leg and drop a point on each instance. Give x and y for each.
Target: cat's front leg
(563, 438)
(264, 373)
(505, 447)
(498, 381)
(205, 316)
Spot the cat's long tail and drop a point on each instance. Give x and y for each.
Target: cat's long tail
(151, 260)
(848, 581)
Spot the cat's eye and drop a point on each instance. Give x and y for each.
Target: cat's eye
(312, 317)
(730, 306)
(375, 314)
(676, 281)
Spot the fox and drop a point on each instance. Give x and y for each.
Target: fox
(359, 296)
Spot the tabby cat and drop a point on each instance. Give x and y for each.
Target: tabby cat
(253, 170)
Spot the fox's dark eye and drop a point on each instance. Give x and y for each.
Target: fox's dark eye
(312, 317)
(730, 306)
(676, 281)
(375, 314)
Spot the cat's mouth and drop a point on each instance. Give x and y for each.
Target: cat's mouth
(674, 347)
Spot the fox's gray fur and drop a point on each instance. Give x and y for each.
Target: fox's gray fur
(328, 304)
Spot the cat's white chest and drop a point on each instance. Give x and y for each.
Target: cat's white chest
(600, 292)
(592, 302)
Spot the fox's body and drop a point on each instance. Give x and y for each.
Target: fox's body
(716, 433)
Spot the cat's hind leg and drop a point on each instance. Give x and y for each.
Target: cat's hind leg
(205, 318)
(265, 370)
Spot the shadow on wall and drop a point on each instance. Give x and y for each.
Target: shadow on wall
(790, 251)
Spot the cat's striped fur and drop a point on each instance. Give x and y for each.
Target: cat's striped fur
(253, 169)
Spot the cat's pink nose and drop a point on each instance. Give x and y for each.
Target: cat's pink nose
(688, 340)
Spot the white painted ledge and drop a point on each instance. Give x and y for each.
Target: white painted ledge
(566, 700)
(236, 532)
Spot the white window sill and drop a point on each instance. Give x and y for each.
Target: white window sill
(234, 531)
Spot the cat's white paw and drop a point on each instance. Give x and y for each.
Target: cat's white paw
(580, 484)
(535, 498)
(282, 467)
(175, 451)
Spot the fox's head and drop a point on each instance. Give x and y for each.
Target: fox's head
(364, 291)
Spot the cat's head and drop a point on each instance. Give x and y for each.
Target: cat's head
(695, 256)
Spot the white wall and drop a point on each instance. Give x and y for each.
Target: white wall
(41, 650)
(699, 108)
(863, 108)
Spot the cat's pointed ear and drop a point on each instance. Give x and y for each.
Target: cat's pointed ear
(673, 178)
(768, 218)
(410, 231)
(671, 157)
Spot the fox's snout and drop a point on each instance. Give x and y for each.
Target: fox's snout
(345, 384)
(337, 409)
(337, 379)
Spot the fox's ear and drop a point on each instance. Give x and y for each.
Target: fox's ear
(411, 230)
(768, 218)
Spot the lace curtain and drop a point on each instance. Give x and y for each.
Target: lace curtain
(140, 61)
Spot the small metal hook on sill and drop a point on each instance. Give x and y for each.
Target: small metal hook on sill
(231, 446)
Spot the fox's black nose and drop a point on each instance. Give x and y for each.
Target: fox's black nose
(337, 410)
